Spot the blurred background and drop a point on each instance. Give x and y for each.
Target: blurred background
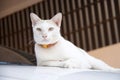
(89, 24)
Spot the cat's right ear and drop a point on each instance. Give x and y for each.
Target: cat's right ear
(57, 19)
(34, 18)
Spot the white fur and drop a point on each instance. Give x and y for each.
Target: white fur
(64, 53)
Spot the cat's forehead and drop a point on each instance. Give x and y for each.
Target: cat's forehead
(45, 24)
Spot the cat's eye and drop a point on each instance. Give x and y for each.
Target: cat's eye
(51, 29)
(38, 29)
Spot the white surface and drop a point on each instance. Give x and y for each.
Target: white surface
(14, 72)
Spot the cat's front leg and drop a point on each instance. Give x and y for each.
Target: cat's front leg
(52, 63)
(76, 63)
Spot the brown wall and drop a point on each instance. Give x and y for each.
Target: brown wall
(109, 54)
(10, 6)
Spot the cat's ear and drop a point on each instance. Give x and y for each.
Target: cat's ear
(34, 18)
(57, 19)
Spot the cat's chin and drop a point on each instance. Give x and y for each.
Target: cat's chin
(43, 42)
(46, 42)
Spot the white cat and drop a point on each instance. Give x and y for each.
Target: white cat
(52, 49)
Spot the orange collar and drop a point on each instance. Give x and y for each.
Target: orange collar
(47, 45)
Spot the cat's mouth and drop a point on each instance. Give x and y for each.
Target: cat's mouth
(45, 41)
(42, 41)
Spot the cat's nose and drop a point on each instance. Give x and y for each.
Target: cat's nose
(44, 36)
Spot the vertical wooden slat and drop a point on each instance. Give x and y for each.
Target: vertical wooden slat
(24, 36)
(101, 25)
(22, 25)
(61, 4)
(74, 26)
(104, 22)
(14, 32)
(57, 6)
(77, 24)
(85, 25)
(66, 19)
(63, 27)
(25, 17)
(46, 9)
(94, 22)
(8, 33)
(82, 27)
(97, 25)
(30, 29)
(54, 7)
(49, 8)
(60, 10)
(114, 21)
(4, 32)
(68, 5)
(117, 11)
(36, 9)
(108, 24)
(88, 25)
(33, 8)
(22, 30)
(17, 31)
(111, 21)
(119, 4)
(41, 11)
(73, 6)
(11, 32)
(119, 20)
(91, 25)
(0, 31)
(70, 28)
(78, 4)
(30, 9)
(71, 22)
(3, 38)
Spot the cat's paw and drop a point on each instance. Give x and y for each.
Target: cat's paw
(70, 64)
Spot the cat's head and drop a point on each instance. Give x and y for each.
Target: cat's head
(46, 31)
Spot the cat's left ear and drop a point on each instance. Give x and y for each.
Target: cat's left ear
(57, 19)
(34, 18)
